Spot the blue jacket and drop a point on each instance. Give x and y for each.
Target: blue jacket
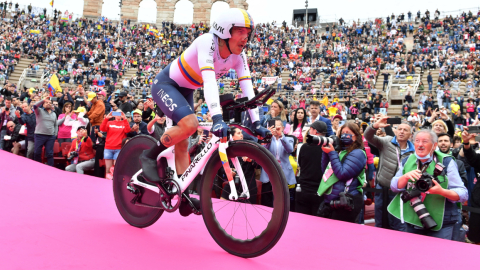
(326, 121)
(31, 121)
(285, 149)
(353, 163)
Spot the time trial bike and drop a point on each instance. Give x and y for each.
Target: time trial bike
(239, 226)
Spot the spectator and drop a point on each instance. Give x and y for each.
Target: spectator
(28, 119)
(65, 131)
(123, 103)
(442, 125)
(314, 109)
(444, 212)
(310, 163)
(81, 152)
(14, 140)
(95, 114)
(137, 126)
(344, 176)
(46, 129)
(75, 120)
(276, 111)
(156, 127)
(116, 128)
(444, 144)
(391, 151)
(7, 113)
(430, 81)
(248, 169)
(281, 147)
(299, 121)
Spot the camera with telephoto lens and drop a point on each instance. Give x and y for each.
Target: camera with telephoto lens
(323, 141)
(73, 155)
(423, 184)
(344, 202)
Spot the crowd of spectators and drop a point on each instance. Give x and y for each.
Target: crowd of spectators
(330, 90)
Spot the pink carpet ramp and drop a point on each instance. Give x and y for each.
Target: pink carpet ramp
(51, 219)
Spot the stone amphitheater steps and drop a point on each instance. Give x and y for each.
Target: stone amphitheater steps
(19, 68)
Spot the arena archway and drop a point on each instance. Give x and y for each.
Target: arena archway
(165, 8)
(147, 11)
(183, 12)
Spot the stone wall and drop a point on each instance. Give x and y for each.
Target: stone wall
(92, 8)
(165, 9)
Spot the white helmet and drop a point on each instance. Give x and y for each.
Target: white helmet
(222, 24)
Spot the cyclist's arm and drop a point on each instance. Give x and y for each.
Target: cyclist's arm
(245, 81)
(210, 88)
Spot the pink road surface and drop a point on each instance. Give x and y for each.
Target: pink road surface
(52, 219)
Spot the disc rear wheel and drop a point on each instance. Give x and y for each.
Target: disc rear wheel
(127, 165)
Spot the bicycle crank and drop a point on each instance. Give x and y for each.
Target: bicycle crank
(168, 193)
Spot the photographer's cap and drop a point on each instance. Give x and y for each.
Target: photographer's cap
(319, 126)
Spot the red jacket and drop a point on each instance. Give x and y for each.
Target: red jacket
(116, 132)
(86, 149)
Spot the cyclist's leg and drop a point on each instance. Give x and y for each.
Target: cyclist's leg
(181, 148)
(175, 106)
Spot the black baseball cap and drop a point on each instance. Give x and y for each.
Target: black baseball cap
(81, 127)
(122, 94)
(319, 126)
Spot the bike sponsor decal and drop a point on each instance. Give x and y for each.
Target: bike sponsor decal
(167, 100)
(196, 160)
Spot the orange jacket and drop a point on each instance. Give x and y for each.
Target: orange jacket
(96, 113)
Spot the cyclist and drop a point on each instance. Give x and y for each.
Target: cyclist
(208, 58)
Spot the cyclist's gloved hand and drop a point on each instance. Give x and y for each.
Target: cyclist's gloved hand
(259, 130)
(219, 128)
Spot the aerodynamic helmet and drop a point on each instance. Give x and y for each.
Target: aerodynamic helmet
(223, 23)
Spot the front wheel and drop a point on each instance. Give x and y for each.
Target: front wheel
(244, 228)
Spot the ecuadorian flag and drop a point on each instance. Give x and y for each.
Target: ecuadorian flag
(153, 32)
(54, 85)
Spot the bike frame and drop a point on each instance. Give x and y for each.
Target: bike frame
(197, 165)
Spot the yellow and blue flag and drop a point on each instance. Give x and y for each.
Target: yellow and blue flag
(54, 85)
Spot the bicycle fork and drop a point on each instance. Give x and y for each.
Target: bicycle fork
(222, 150)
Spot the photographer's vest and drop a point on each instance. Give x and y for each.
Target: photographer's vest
(329, 178)
(434, 203)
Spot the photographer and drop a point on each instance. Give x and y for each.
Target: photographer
(310, 164)
(344, 176)
(391, 151)
(424, 186)
(473, 160)
(81, 153)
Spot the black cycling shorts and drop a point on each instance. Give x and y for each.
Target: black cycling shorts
(175, 102)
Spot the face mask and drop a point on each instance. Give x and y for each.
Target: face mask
(347, 139)
(427, 157)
